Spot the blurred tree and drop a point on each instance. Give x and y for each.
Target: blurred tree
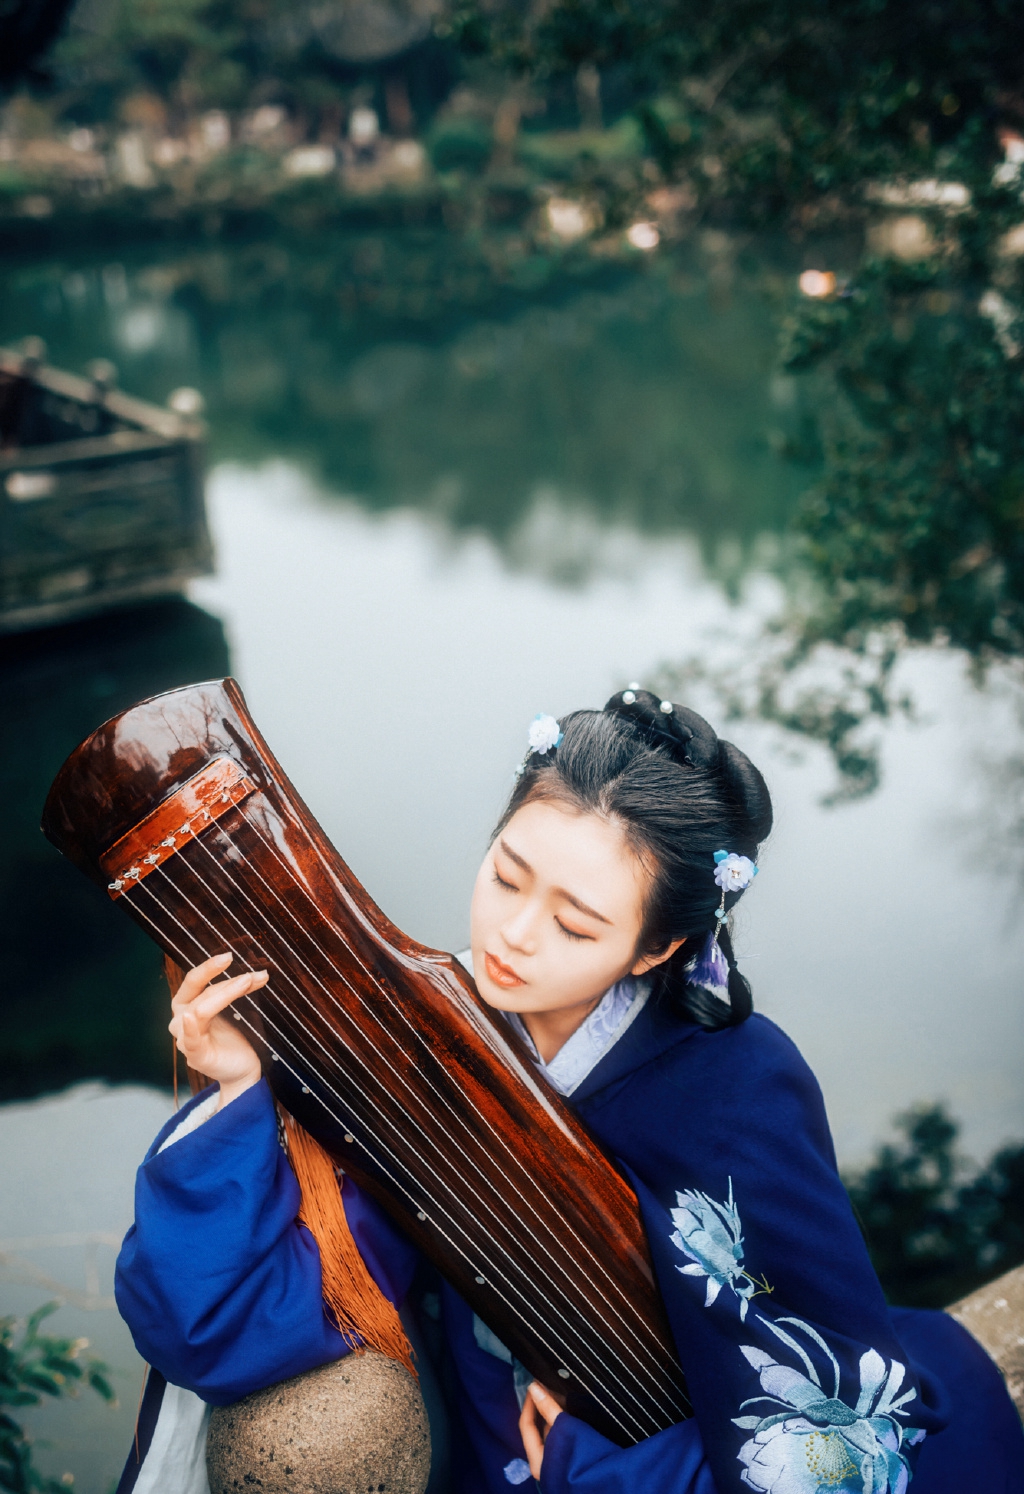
(823, 118)
(934, 1239)
(233, 54)
(27, 29)
(795, 99)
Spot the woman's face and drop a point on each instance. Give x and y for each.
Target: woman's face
(557, 911)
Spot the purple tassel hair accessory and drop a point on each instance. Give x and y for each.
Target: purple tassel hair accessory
(710, 969)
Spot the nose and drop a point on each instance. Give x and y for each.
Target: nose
(520, 932)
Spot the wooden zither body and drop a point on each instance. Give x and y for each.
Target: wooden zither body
(380, 1047)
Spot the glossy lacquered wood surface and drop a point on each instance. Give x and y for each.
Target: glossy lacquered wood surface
(383, 1050)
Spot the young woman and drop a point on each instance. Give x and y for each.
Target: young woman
(600, 927)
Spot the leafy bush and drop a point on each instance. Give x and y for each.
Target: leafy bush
(461, 143)
(933, 1235)
(34, 1365)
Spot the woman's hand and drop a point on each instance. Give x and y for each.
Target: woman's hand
(210, 1043)
(539, 1414)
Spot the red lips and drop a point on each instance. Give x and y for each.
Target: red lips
(502, 975)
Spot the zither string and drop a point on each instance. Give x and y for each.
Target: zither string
(347, 1102)
(400, 1013)
(396, 1181)
(295, 954)
(307, 935)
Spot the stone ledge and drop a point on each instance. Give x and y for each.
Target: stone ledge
(994, 1315)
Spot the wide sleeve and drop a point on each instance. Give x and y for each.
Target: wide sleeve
(217, 1281)
(797, 1377)
(578, 1460)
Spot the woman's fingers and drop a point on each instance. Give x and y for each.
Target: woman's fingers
(540, 1411)
(533, 1443)
(216, 997)
(545, 1401)
(199, 977)
(190, 1022)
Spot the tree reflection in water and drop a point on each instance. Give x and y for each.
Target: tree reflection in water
(83, 996)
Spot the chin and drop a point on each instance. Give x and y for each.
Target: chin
(503, 1000)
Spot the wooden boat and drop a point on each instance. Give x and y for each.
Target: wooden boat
(101, 495)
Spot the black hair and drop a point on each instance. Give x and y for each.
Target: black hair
(680, 795)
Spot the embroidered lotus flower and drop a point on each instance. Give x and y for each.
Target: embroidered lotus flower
(732, 872)
(816, 1441)
(711, 1235)
(545, 734)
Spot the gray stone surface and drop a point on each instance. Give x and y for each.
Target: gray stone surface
(994, 1314)
(355, 1427)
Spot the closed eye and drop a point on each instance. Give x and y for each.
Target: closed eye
(508, 886)
(571, 933)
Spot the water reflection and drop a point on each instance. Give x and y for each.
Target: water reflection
(394, 673)
(648, 399)
(69, 958)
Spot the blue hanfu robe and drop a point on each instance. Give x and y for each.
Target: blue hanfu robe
(802, 1379)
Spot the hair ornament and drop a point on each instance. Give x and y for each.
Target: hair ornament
(667, 708)
(733, 873)
(545, 734)
(709, 969)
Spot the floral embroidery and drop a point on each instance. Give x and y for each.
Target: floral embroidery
(817, 1442)
(711, 1235)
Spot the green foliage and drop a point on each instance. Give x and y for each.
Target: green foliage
(34, 1365)
(932, 1237)
(460, 143)
(796, 99)
(920, 515)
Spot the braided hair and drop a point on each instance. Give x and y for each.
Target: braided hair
(680, 794)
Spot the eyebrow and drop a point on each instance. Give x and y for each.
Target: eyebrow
(526, 867)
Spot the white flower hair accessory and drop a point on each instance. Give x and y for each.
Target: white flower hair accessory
(545, 733)
(732, 873)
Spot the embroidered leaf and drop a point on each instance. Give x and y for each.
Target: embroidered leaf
(792, 1343)
(893, 1384)
(790, 1385)
(811, 1333)
(692, 1270)
(756, 1357)
(747, 1423)
(872, 1373)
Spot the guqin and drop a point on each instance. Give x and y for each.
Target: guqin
(380, 1047)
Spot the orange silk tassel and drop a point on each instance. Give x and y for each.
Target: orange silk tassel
(364, 1316)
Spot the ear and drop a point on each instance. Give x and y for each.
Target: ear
(648, 962)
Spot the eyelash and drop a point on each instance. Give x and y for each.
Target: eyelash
(569, 933)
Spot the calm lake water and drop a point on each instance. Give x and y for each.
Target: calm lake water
(425, 535)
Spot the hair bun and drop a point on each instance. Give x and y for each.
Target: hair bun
(749, 789)
(689, 737)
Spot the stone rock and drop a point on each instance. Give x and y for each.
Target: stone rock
(358, 1426)
(994, 1315)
